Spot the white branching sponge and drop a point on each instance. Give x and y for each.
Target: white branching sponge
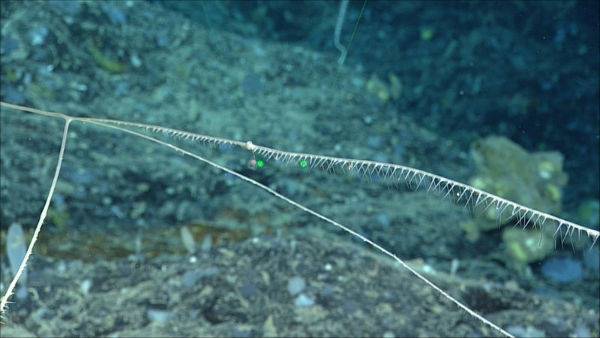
(461, 193)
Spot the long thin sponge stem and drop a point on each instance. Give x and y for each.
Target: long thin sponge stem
(5, 299)
(319, 215)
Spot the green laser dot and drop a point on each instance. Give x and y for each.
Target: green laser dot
(260, 164)
(303, 163)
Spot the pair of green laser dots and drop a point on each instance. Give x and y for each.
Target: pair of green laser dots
(261, 164)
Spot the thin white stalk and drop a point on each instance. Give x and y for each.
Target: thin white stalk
(9, 292)
(338, 30)
(321, 216)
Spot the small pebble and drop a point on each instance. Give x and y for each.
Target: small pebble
(304, 301)
(296, 285)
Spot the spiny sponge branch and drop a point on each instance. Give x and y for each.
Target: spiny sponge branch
(392, 172)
